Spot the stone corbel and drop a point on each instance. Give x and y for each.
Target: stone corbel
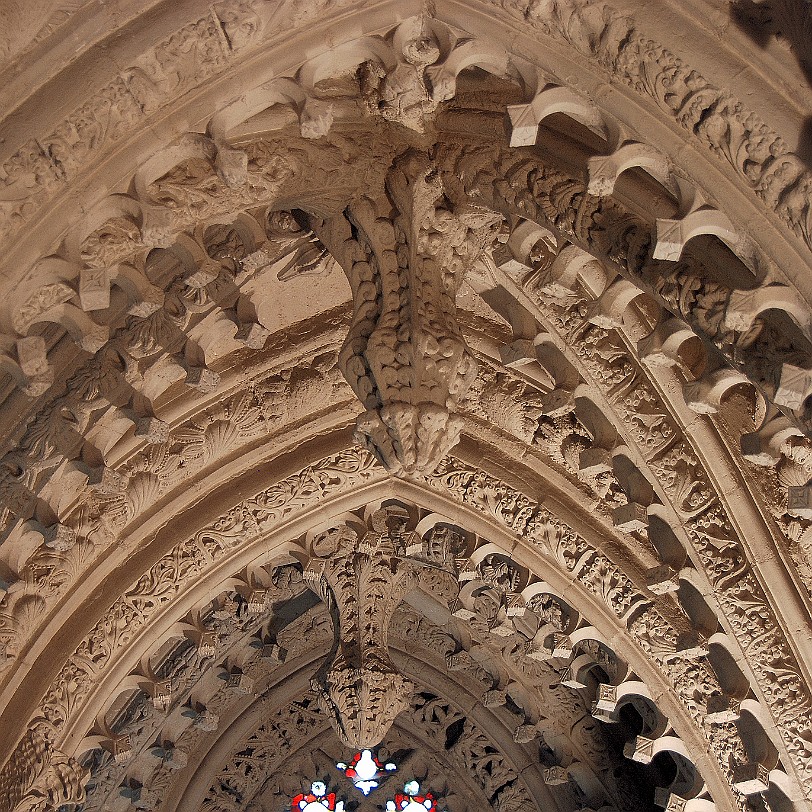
(526, 118)
(604, 170)
(672, 235)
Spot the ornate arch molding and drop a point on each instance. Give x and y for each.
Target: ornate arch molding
(418, 729)
(601, 312)
(204, 583)
(581, 34)
(513, 512)
(692, 215)
(170, 283)
(249, 461)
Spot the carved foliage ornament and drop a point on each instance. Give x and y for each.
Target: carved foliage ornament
(363, 580)
(39, 778)
(405, 356)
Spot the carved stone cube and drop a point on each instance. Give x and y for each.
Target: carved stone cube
(553, 776)
(607, 697)
(228, 609)
(205, 380)
(240, 683)
(494, 698)
(598, 315)
(722, 708)
(205, 274)
(754, 449)
(691, 645)
(207, 644)
(58, 537)
(540, 653)
(173, 757)
(252, 335)
(120, 747)
(663, 579)
(316, 118)
(751, 778)
(602, 713)
(502, 628)
(794, 385)
(32, 356)
(525, 733)
(467, 570)
(594, 461)
(161, 693)
(458, 661)
(94, 289)
(666, 799)
(257, 601)
(670, 239)
(557, 403)
(232, 167)
(630, 517)
(148, 799)
(159, 226)
(639, 749)
(515, 605)
(460, 612)
(151, 302)
(106, 480)
(562, 647)
(799, 501)
(207, 721)
(273, 652)
(255, 261)
(518, 353)
(152, 430)
(570, 680)
(524, 125)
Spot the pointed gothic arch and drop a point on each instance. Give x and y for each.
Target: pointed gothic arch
(518, 276)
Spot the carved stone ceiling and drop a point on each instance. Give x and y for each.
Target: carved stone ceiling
(434, 377)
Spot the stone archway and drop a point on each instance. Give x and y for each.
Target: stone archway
(425, 261)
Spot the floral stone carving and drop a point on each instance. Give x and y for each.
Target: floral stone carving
(405, 356)
(363, 580)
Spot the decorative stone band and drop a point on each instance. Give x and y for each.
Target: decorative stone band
(759, 158)
(676, 465)
(516, 512)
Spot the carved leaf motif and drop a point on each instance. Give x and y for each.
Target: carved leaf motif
(39, 778)
(112, 242)
(41, 302)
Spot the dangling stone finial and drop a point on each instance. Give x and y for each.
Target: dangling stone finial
(405, 356)
(363, 580)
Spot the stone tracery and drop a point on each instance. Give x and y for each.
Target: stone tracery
(509, 294)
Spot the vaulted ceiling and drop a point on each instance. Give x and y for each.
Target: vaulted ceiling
(431, 375)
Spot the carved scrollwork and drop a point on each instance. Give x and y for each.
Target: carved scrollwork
(363, 579)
